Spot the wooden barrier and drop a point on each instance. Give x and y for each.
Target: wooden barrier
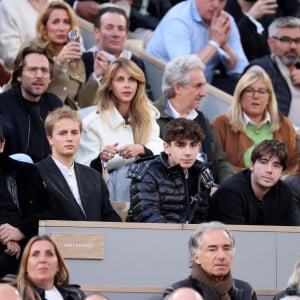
(140, 260)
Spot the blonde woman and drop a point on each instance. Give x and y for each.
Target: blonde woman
(253, 117)
(293, 285)
(123, 127)
(69, 81)
(43, 273)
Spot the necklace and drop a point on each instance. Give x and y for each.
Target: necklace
(38, 5)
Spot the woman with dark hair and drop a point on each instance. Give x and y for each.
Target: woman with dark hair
(43, 273)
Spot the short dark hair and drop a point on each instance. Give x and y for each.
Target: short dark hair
(180, 129)
(272, 148)
(110, 9)
(19, 62)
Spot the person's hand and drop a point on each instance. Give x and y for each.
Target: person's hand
(100, 64)
(109, 152)
(71, 51)
(295, 76)
(263, 7)
(220, 28)
(131, 150)
(87, 9)
(10, 233)
(13, 248)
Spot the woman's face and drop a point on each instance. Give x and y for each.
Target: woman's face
(123, 86)
(254, 100)
(58, 26)
(42, 264)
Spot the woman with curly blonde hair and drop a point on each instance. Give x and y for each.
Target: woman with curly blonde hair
(123, 127)
(253, 117)
(43, 273)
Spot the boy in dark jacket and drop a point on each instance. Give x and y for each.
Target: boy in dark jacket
(173, 187)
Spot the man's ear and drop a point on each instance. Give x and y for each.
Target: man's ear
(251, 165)
(270, 42)
(177, 88)
(166, 148)
(2, 144)
(49, 138)
(96, 33)
(196, 258)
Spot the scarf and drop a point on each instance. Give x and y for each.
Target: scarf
(221, 288)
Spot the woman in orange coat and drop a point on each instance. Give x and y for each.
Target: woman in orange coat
(253, 117)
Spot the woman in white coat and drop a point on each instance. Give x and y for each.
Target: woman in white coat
(122, 129)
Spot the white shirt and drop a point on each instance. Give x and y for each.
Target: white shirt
(53, 294)
(70, 177)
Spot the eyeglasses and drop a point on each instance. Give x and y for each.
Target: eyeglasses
(250, 92)
(34, 70)
(287, 40)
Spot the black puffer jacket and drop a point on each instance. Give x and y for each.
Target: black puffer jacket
(240, 290)
(160, 193)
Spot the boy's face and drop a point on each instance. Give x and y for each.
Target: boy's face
(182, 152)
(266, 172)
(65, 138)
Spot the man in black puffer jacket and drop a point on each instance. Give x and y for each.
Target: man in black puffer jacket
(211, 249)
(173, 187)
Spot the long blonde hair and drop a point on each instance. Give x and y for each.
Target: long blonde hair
(140, 107)
(24, 284)
(42, 33)
(235, 112)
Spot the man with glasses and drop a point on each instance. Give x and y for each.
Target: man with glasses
(25, 106)
(283, 65)
(256, 196)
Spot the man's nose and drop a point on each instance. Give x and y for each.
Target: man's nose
(221, 254)
(269, 168)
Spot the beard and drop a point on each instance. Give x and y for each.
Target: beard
(289, 58)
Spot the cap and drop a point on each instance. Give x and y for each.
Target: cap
(22, 157)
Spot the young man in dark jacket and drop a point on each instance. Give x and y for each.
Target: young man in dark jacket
(76, 192)
(211, 249)
(256, 196)
(173, 187)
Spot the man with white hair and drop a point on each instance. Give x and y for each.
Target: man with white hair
(211, 249)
